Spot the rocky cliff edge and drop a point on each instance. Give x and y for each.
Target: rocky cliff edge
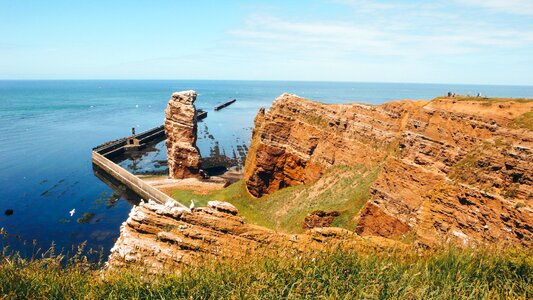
(450, 168)
(166, 237)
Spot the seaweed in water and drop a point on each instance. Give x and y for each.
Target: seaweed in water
(86, 218)
(113, 199)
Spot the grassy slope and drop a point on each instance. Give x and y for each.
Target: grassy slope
(444, 274)
(486, 99)
(344, 189)
(523, 121)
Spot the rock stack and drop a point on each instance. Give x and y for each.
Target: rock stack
(180, 128)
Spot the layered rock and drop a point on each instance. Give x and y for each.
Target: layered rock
(448, 168)
(167, 237)
(319, 218)
(180, 128)
(297, 140)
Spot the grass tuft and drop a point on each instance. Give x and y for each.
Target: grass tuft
(441, 274)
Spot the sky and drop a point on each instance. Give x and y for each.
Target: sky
(453, 41)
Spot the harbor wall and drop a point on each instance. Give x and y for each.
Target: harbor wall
(100, 158)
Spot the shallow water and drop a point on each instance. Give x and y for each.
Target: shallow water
(49, 128)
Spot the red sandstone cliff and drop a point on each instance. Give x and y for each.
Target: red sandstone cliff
(448, 168)
(180, 128)
(445, 169)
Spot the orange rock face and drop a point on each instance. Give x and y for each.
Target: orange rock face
(297, 139)
(180, 128)
(163, 238)
(449, 168)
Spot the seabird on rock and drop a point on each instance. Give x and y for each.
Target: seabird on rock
(191, 207)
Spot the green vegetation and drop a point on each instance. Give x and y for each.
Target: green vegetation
(444, 274)
(463, 170)
(471, 167)
(523, 121)
(316, 120)
(343, 189)
(519, 205)
(489, 100)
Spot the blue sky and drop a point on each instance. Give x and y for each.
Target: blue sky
(454, 41)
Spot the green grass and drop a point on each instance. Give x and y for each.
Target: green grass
(489, 100)
(316, 120)
(442, 274)
(523, 121)
(343, 189)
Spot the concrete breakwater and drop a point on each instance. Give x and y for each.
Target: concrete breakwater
(117, 147)
(101, 157)
(225, 104)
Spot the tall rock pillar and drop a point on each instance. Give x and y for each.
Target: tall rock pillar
(180, 128)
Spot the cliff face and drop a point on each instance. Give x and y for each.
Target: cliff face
(166, 237)
(180, 128)
(448, 168)
(297, 140)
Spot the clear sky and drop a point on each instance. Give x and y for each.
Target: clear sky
(453, 41)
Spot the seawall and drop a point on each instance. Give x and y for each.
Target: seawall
(102, 153)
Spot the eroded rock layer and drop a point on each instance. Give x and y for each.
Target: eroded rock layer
(180, 128)
(166, 237)
(448, 168)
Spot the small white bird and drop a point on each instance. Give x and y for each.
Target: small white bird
(191, 207)
(72, 212)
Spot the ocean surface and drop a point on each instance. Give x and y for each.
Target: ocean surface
(48, 129)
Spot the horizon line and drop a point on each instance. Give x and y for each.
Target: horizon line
(275, 80)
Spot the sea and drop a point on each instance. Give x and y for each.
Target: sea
(50, 194)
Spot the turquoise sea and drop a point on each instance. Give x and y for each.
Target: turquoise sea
(48, 129)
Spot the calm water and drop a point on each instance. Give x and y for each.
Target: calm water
(49, 127)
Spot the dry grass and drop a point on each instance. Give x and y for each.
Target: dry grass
(523, 121)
